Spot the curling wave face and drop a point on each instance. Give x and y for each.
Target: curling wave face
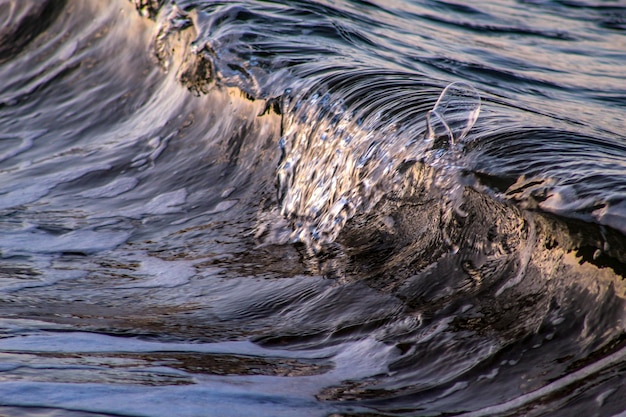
(311, 208)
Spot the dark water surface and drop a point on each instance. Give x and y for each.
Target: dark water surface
(252, 208)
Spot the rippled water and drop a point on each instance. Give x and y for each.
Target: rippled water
(278, 209)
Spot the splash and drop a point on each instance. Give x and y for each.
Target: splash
(454, 114)
(449, 122)
(338, 161)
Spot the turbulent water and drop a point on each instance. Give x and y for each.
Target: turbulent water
(312, 208)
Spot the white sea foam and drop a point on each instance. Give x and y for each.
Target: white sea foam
(83, 240)
(17, 193)
(228, 395)
(223, 206)
(157, 273)
(112, 189)
(166, 203)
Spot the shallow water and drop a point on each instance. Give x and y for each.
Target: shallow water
(254, 208)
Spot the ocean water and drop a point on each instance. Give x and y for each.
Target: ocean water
(312, 208)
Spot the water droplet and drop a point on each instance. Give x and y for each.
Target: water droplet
(371, 150)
